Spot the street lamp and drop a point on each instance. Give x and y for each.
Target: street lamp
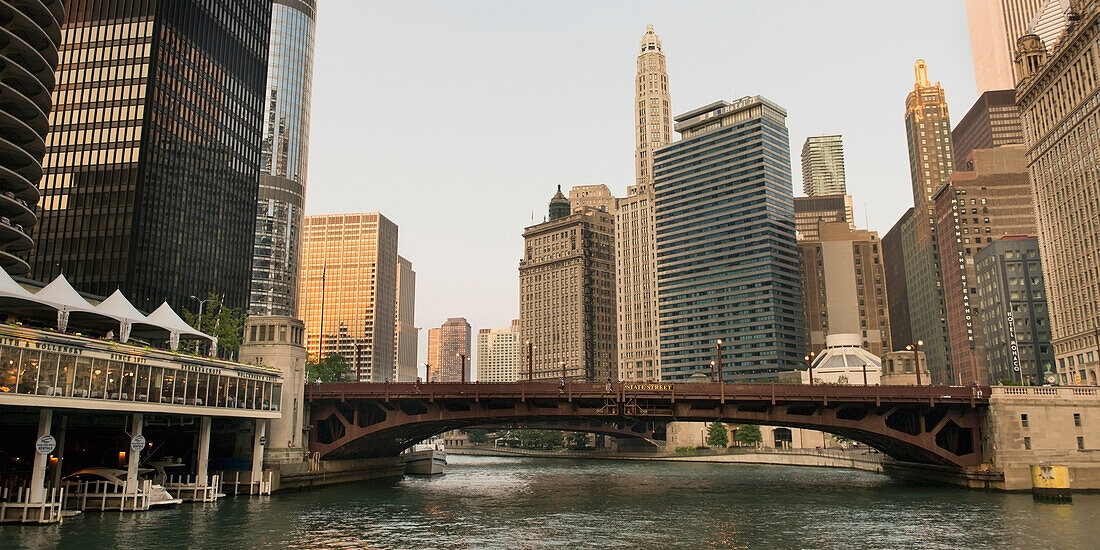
(462, 356)
(201, 304)
(427, 372)
(718, 344)
(810, 365)
(915, 348)
(712, 371)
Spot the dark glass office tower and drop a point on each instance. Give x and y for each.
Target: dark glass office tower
(727, 261)
(153, 163)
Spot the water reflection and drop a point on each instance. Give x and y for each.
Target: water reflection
(535, 503)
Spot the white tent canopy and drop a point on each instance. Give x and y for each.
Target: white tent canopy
(60, 295)
(167, 319)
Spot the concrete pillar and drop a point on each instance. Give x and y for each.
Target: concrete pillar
(38, 474)
(60, 451)
(133, 458)
(203, 457)
(258, 435)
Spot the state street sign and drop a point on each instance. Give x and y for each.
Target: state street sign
(137, 443)
(45, 444)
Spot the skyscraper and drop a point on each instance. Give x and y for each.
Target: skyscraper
(498, 354)
(285, 150)
(349, 290)
(435, 354)
(897, 288)
(991, 200)
(635, 247)
(1050, 22)
(152, 168)
(406, 334)
(454, 339)
(993, 121)
(994, 27)
(809, 212)
(1057, 97)
(592, 196)
(928, 129)
(30, 59)
(844, 287)
(567, 293)
(727, 261)
(823, 166)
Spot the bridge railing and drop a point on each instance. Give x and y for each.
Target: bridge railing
(1047, 391)
(620, 391)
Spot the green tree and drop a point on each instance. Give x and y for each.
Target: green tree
(577, 440)
(477, 436)
(328, 369)
(749, 434)
(717, 436)
(539, 439)
(224, 323)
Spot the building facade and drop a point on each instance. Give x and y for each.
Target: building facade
(31, 60)
(435, 354)
(994, 27)
(277, 249)
(499, 352)
(727, 262)
(454, 343)
(567, 295)
(406, 335)
(635, 248)
(991, 200)
(1012, 311)
(844, 287)
(928, 129)
(811, 211)
(1061, 110)
(152, 166)
(349, 290)
(823, 166)
(596, 196)
(897, 288)
(993, 121)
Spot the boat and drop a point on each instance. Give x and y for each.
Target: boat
(425, 459)
(106, 488)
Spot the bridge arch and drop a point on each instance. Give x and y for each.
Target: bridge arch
(937, 425)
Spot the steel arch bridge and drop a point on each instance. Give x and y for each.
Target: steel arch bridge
(936, 425)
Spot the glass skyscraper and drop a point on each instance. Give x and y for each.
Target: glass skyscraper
(152, 165)
(727, 261)
(277, 249)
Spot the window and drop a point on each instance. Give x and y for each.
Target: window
(1027, 443)
(1023, 420)
(1077, 419)
(1080, 443)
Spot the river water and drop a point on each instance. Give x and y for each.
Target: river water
(485, 502)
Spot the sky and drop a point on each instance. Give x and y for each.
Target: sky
(457, 120)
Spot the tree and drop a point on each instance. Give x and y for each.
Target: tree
(577, 440)
(717, 436)
(477, 436)
(224, 323)
(333, 368)
(749, 434)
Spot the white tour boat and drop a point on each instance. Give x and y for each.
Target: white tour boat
(425, 459)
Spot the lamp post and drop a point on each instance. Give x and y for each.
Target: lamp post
(462, 356)
(427, 372)
(199, 328)
(562, 370)
(864, 373)
(530, 361)
(712, 371)
(915, 348)
(718, 344)
(810, 365)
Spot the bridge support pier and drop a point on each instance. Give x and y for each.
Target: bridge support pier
(259, 438)
(38, 474)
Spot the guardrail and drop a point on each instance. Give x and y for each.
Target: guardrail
(1047, 391)
(105, 495)
(16, 508)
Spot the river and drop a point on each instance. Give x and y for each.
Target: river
(486, 502)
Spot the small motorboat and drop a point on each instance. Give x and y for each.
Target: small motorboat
(425, 459)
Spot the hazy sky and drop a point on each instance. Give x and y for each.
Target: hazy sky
(457, 120)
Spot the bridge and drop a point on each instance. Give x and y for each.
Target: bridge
(935, 425)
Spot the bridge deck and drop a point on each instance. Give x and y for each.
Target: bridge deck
(620, 391)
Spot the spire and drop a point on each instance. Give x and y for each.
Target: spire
(650, 41)
(559, 206)
(921, 70)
